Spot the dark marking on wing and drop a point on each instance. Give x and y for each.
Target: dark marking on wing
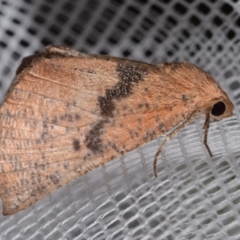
(149, 136)
(66, 165)
(54, 179)
(161, 127)
(66, 117)
(54, 120)
(185, 97)
(129, 74)
(77, 116)
(87, 157)
(76, 144)
(106, 105)
(93, 139)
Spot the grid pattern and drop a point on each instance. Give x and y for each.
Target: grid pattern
(194, 196)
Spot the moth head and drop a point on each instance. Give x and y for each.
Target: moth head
(221, 108)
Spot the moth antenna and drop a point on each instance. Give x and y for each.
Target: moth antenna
(206, 127)
(169, 137)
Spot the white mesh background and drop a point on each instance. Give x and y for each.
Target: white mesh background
(194, 196)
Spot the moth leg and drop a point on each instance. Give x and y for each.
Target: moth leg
(169, 137)
(206, 127)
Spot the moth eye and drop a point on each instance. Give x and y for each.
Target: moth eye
(218, 109)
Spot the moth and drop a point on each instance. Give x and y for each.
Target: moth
(66, 113)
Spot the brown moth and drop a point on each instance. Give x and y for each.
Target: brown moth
(67, 113)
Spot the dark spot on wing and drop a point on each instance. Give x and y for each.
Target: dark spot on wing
(66, 165)
(115, 148)
(41, 188)
(161, 127)
(66, 117)
(54, 179)
(185, 97)
(77, 116)
(54, 120)
(33, 193)
(87, 157)
(93, 139)
(150, 135)
(129, 74)
(76, 144)
(24, 182)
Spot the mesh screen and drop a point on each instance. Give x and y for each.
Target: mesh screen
(194, 196)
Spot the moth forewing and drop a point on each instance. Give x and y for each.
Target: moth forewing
(68, 113)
